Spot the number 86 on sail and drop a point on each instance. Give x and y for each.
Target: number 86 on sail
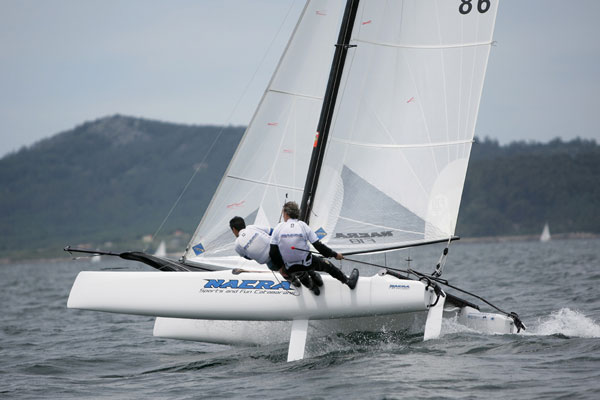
(467, 5)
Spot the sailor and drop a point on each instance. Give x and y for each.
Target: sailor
(290, 250)
(252, 242)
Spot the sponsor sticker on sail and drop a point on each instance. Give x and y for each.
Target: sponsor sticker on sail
(321, 233)
(198, 249)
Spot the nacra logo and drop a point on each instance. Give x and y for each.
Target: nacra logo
(399, 287)
(363, 235)
(245, 284)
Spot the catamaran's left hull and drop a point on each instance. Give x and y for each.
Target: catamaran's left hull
(260, 296)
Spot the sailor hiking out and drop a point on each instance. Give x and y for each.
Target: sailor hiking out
(252, 242)
(290, 251)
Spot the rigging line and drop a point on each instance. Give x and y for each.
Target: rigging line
(293, 292)
(445, 283)
(517, 320)
(356, 261)
(281, 212)
(237, 103)
(442, 261)
(428, 278)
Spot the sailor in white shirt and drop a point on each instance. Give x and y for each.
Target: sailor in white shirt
(253, 242)
(290, 250)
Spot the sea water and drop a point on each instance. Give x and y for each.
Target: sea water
(49, 351)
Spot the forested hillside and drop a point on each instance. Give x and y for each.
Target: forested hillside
(115, 179)
(515, 189)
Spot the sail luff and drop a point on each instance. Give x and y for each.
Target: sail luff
(327, 110)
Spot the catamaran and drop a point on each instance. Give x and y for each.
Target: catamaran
(393, 102)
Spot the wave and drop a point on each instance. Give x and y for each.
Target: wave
(566, 322)
(451, 326)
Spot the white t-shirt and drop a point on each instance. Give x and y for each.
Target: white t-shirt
(254, 242)
(294, 233)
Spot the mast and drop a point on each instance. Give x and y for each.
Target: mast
(333, 85)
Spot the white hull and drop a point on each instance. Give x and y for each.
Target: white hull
(221, 295)
(270, 332)
(485, 322)
(261, 308)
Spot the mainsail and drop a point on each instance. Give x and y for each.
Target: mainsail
(399, 144)
(269, 166)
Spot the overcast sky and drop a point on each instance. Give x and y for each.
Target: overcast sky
(64, 62)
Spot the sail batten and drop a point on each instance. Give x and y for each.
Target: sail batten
(402, 146)
(424, 47)
(272, 184)
(297, 94)
(379, 226)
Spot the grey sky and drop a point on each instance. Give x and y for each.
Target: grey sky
(64, 62)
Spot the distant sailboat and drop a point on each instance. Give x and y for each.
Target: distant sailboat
(161, 251)
(545, 236)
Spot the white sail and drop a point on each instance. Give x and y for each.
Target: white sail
(399, 145)
(269, 166)
(161, 250)
(545, 236)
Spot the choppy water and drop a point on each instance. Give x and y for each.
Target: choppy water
(47, 350)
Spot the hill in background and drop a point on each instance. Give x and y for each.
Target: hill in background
(111, 180)
(515, 189)
(114, 180)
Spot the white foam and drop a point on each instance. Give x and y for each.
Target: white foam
(566, 322)
(451, 326)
